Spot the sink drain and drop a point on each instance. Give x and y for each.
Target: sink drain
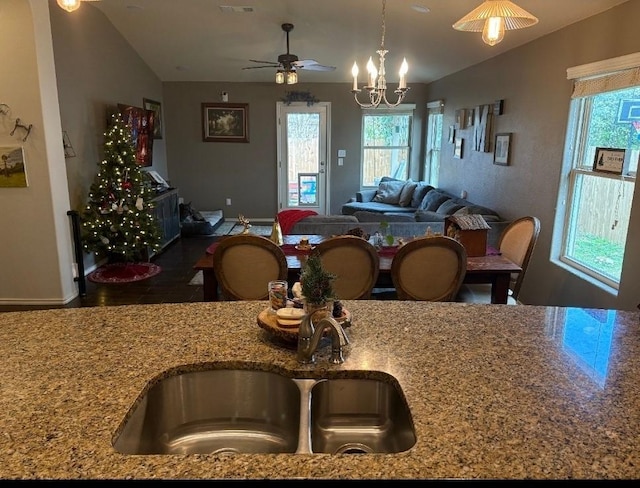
(353, 448)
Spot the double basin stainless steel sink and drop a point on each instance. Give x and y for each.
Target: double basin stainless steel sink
(253, 411)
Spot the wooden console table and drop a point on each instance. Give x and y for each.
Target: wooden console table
(493, 269)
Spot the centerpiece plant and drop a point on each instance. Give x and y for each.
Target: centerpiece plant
(316, 282)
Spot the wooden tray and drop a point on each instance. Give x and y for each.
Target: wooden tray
(269, 322)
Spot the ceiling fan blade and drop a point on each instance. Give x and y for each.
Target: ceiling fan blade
(312, 65)
(264, 62)
(267, 66)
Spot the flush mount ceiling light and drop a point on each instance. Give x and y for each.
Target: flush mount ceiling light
(376, 81)
(71, 5)
(493, 17)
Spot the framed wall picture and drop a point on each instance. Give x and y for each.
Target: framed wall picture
(225, 122)
(140, 123)
(609, 160)
(156, 108)
(461, 118)
(502, 149)
(452, 134)
(12, 169)
(470, 116)
(457, 149)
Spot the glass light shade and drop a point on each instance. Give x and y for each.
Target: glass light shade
(292, 78)
(69, 5)
(493, 31)
(279, 77)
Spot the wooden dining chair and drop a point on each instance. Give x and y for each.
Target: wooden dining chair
(245, 263)
(429, 268)
(355, 263)
(516, 243)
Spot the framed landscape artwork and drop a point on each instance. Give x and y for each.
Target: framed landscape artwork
(156, 108)
(12, 170)
(140, 123)
(225, 122)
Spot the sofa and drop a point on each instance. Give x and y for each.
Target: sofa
(399, 227)
(409, 201)
(409, 208)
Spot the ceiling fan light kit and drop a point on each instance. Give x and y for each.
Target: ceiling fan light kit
(376, 81)
(493, 18)
(288, 64)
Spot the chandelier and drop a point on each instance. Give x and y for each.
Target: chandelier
(493, 17)
(376, 81)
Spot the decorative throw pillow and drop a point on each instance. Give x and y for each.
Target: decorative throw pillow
(462, 211)
(388, 178)
(433, 200)
(449, 207)
(389, 192)
(418, 194)
(407, 192)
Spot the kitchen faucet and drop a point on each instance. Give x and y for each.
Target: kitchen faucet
(309, 335)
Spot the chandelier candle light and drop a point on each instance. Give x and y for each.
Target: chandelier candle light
(377, 82)
(493, 17)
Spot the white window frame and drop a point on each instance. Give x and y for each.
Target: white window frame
(402, 109)
(589, 80)
(435, 110)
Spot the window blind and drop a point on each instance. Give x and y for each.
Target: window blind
(606, 83)
(603, 76)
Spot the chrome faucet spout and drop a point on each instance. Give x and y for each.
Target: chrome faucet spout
(309, 335)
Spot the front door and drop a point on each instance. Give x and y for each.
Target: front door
(302, 156)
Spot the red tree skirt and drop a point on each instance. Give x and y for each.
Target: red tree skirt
(124, 272)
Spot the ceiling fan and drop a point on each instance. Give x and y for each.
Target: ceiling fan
(288, 63)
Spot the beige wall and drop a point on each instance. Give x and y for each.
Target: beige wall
(208, 172)
(533, 82)
(35, 240)
(96, 69)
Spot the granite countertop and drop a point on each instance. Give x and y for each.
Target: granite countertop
(495, 391)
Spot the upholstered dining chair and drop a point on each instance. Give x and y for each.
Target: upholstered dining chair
(355, 263)
(245, 263)
(516, 243)
(429, 268)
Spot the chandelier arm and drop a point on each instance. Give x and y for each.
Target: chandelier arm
(363, 105)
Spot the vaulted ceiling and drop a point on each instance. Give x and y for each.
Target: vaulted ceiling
(207, 40)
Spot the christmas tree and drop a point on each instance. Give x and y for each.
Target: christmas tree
(117, 221)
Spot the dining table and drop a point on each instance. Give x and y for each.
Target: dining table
(492, 268)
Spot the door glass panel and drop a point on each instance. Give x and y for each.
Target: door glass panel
(303, 158)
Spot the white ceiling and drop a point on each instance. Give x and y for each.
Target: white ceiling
(194, 40)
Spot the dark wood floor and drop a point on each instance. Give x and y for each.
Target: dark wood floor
(171, 285)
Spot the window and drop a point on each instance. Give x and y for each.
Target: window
(604, 113)
(386, 143)
(434, 142)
